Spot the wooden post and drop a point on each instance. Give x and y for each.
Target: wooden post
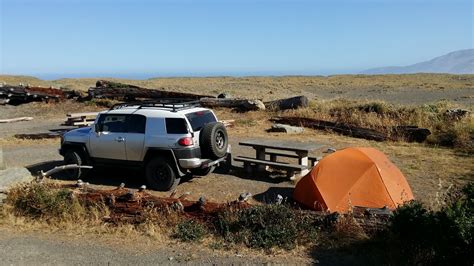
(291, 175)
(273, 157)
(303, 160)
(260, 152)
(247, 168)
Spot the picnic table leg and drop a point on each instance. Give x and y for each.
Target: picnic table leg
(291, 175)
(260, 152)
(303, 160)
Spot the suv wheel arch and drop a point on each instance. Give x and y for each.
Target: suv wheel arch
(80, 147)
(165, 153)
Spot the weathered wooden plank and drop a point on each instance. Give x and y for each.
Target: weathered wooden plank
(296, 146)
(18, 119)
(89, 114)
(277, 165)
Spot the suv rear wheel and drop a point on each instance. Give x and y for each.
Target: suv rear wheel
(160, 175)
(214, 140)
(74, 157)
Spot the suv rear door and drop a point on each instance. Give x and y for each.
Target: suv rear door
(198, 119)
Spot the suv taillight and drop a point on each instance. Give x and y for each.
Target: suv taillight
(186, 141)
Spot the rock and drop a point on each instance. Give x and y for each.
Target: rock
(12, 176)
(286, 128)
(244, 196)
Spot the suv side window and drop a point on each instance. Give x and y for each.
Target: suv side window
(112, 123)
(136, 124)
(176, 126)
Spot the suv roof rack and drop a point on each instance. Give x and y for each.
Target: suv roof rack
(168, 103)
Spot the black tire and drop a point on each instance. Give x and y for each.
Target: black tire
(213, 140)
(202, 171)
(160, 175)
(74, 157)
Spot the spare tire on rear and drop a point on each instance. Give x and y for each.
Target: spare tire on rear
(213, 140)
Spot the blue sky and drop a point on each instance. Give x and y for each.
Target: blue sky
(54, 38)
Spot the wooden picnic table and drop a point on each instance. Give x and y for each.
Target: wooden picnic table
(273, 148)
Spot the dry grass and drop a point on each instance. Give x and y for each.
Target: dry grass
(272, 87)
(12, 141)
(383, 117)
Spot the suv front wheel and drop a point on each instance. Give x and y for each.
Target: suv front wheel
(74, 157)
(160, 175)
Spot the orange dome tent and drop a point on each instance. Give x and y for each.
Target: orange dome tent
(362, 177)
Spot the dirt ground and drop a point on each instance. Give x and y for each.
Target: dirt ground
(29, 247)
(430, 170)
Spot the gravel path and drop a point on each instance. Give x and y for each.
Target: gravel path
(20, 248)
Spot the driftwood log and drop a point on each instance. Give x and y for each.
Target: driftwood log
(343, 129)
(119, 91)
(58, 169)
(407, 133)
(410, 133)
(17, 119)
(240, 104)
(289, 103)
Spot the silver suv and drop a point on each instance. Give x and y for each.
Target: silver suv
(168, 139)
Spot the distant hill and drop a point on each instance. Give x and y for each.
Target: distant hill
(458, 62)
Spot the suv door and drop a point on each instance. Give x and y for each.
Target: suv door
(135, 137)
(109, 142)
(198, 119)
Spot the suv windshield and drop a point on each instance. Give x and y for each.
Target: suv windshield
(199, 119)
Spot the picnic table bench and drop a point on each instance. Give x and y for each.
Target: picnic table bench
(80, 119)
(280, 148)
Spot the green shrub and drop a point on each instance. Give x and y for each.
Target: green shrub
(190, 231)
(423, 236)
(40, 201)
(267, 226)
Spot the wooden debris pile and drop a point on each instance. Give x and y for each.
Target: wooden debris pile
(20, 94)
(126, 92)
(128, 205)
